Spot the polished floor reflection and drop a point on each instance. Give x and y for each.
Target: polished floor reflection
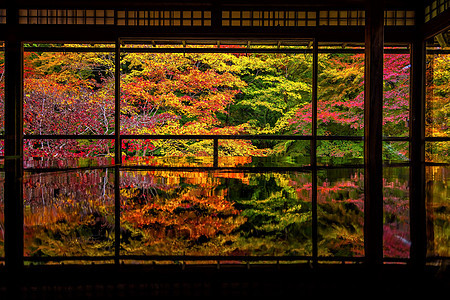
(220, 213)
(224, 213)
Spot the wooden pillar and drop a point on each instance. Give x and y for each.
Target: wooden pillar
(13, 191)
(417, 152)
(13, 147)
(373, 114)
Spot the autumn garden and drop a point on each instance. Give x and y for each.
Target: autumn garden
(256, 198)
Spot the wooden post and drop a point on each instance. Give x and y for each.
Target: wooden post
(13, 154)
(417, 151)
(373, 115)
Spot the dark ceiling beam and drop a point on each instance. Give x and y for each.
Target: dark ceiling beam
(251, 4)
(106, 33)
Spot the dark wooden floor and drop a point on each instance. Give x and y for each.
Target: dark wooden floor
(145, 282)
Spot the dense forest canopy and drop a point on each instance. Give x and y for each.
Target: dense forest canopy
(208, 93)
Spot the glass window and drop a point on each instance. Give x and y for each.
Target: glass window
(70, 93)
(437, 149)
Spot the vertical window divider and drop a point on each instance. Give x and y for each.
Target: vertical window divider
(117, 137)
(117, 153)
(314, 152)
(216, 153)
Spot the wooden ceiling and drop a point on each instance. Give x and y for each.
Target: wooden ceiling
(440, 24)
(404, 4)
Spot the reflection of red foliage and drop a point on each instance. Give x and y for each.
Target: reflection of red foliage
(396, 210)
(201, 211)
(57, 208)
(396, 242)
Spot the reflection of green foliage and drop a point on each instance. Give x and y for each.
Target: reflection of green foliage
(340, 212)
(241, 214)
(277, 221)
(438, 211)
(73, 239)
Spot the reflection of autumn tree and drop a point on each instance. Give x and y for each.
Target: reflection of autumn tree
(2, 128)
(69, 214)
(438, 208)
(278, 215)
(341, 213)
(340, 197)
(205, 213)
(396, 238)
(2, 216)
(175, 213)
(225, 213)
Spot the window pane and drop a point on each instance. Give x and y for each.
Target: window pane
(167, 153)
(2, 153)
(396, 82)
(215, 213)
(68, 93)
(340, 212)
(437, 94)
(64, 153)
(69, 214)
(438, 211)
(340, 101)
(264, 153)
(395, 151)
(216, 93)
(340, 152)
(437, 152)
(396, 233)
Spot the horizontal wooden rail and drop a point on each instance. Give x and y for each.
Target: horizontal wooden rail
(216, 136)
